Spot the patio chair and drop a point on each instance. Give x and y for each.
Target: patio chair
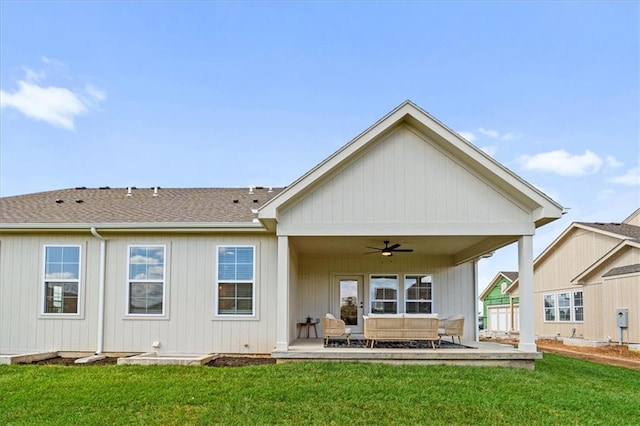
(333, 327)
(453, 327)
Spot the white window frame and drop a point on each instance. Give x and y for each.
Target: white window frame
(556, 308)
(553, 309)
(45, 281)
(129, 281)
(399, 292)
(253, 282)
(406, 295)
(574, 306)
(561, 296)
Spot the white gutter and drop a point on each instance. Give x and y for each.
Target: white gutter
(194, 226)
(101, 285)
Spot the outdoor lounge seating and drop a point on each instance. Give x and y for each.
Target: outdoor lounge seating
(453, 327)
(398, 327)
(333, 327)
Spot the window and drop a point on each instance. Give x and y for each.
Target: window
(418, 294)
(146, 280)
(236, 284)
(569, 307)
(384, 294)
(61, 279)
(578, 307)
(564, 307)
(549, 307)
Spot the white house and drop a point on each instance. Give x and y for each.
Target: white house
(234, 270)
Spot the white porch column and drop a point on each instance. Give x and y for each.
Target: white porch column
(525, 277)
(282, 307)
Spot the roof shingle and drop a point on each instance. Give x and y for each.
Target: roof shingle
(170, 205)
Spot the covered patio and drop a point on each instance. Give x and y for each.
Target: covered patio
(486, 354)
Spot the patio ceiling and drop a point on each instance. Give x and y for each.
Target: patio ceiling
(471, 246)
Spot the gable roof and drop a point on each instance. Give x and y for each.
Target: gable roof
(622, 231)
(509, 275)
(544, 209)
(112, 206)
(604, 260)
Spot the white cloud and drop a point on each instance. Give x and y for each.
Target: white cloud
(468, 136)
(508, 136)
(630, 178)
(562, 163)
(490, 133)
(58, 106)
(490, 150)
(612, 163)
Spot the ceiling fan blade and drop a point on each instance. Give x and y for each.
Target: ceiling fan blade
(372, 252)
(393, 247)
(403, 250)
(374, 248)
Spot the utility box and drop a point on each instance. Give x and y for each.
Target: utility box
(622, 316)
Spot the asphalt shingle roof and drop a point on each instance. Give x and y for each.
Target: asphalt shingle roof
(510, 274)
(112, 205)
(624, 229)
(628, 269)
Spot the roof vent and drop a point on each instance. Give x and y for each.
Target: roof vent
(255, 201)
(155, 191)
(59, 201)
(235, 201)
(79, 201)
(128, 191)
(251, 190)
(104, 187)
(270, 189)
(81, 187)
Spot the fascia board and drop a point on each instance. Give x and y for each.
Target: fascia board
(132, 227)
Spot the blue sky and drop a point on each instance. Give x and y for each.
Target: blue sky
(193, 94)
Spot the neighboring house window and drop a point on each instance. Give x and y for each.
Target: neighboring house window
(564, 307)
(61, 279)
(418, 294)
(236, 280)
(578, 306)
(569, 306)
(146, 280)
(549, 307)
(384, 294)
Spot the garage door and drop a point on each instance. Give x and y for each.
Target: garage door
(499, 318)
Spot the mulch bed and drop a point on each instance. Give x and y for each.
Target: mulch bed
(226, 361)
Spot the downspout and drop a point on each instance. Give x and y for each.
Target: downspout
(101, 284)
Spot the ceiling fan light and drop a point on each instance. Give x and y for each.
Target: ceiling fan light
(387, 253)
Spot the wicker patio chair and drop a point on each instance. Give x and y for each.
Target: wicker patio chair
(453, 327)
(333, 327)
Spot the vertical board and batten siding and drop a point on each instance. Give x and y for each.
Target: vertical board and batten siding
(404, 178)
(23, 328)
(452, 285)
(553, 274)
(607, 295)
(190, 325)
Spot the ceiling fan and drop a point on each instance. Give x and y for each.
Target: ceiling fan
(388, 250)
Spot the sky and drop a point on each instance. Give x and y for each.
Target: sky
(232, 94)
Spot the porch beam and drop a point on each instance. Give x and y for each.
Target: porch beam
(282, 300)
(525, 278)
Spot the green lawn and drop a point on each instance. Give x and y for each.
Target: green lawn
(561, 391)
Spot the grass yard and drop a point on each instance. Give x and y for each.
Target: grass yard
(561, 391)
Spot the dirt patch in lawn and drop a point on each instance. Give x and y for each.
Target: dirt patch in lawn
(619, 355)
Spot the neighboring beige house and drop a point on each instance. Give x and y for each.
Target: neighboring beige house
(234, 270)
(584, 277)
